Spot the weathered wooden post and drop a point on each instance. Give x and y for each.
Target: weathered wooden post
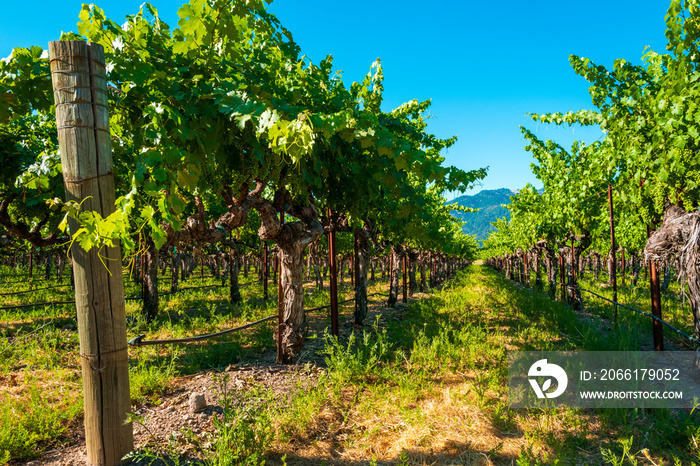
(80, 92)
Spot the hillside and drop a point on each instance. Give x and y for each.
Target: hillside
(490, 205)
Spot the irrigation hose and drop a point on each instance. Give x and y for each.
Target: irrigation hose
(139, 340)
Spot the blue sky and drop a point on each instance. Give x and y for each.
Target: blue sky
(483, 64)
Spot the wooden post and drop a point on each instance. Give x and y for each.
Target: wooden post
(80, 92)
(612, 250)
(333, 265)
(657, 329)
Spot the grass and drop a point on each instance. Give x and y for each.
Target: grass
(34, 417)
(430, 387)
(424, 384)
(674, 310)
(40, 382)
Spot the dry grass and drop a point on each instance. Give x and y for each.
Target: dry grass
(462, 415)
(443, 427)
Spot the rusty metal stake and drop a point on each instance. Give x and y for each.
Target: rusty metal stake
(612, 250)
(405, 287)
(655, 289)
(264, 269)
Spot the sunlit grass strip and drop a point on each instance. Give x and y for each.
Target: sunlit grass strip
(431, 389)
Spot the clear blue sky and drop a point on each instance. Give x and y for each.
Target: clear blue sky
(483, 64)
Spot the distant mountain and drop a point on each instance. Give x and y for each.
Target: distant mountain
(490, 205)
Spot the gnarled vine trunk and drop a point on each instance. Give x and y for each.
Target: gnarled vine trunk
(174, 272)
(316, 263)
(291, 238)
(396, 256)
(667, 278)
(60, 266)
(234, 290)
(636, 268)
(538, 274)
(412, 283)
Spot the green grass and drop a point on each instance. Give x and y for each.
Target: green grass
(391, 383)
(32, 342)
(35, 420)
(425, 384)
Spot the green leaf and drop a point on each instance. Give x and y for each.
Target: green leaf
(148, 212)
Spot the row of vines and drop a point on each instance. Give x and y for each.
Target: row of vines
(224, 137)
(630, 197)
(218, 127)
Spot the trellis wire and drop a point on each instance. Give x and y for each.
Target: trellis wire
(20, 306)
(139, 340)
(166, 293)
(32, 291)
(661, 321)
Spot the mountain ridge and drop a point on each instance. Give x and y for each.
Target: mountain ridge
(490, 204)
